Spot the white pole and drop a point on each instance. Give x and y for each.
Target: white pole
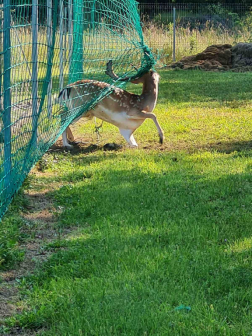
(49, 46)
(174, 34)
(61, 55)
(34, 67)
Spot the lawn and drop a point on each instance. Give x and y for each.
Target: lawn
(153, 241)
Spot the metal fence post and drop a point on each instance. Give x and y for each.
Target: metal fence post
(61, 55)
(70, 31)
(34, 68)
(7, 95)
(93, 15)
(65, 35)
(49, 46)
(76, 69)
(174, 34)
(1, 57)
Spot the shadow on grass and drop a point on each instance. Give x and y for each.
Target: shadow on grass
(76, 150)
(81, 147)
(229, 147)
(147, 243)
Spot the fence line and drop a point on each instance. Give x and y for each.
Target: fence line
(34, 69)
(184, 29)
(49, 43)
(174, 34)
(44, 45)
(7, 96)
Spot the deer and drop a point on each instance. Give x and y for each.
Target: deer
(121, 108)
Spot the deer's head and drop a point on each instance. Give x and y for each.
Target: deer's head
(150, 76)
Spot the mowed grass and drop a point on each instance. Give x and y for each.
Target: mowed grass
(160, 239)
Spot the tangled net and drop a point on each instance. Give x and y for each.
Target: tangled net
(47, 45)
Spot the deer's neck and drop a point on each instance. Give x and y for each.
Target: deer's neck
(149, 95)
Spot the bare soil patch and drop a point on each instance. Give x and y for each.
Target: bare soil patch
(41, 229)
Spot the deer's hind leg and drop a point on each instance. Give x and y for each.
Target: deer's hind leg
(66, 144)
(67, 136)
(70, 135)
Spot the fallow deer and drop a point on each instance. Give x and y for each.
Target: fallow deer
(123, 109)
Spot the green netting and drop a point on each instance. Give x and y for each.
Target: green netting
(45, 45)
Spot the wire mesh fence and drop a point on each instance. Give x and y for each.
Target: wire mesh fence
(178, 30)
(44, 46)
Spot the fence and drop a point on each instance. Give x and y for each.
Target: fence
(44, 46)
(177, 30)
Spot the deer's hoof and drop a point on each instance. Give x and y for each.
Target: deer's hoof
(68, 147)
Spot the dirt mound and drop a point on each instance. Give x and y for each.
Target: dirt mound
(219, 58)
(242, 55)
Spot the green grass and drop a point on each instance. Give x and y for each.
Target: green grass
(155, 228)
(11, 235)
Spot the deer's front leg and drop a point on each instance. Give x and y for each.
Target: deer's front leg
(150, 115)
(128, 136)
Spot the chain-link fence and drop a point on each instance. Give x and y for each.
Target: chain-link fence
(177, 30)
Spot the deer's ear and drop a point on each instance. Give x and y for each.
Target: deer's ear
(136, 81)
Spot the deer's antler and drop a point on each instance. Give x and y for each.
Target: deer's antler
(109, 71)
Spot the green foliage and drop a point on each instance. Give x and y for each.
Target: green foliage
(193, 43)
(196, 29)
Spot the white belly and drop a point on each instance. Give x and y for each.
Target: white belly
(120, 119)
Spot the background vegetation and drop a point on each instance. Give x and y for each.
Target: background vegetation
(197, 27)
